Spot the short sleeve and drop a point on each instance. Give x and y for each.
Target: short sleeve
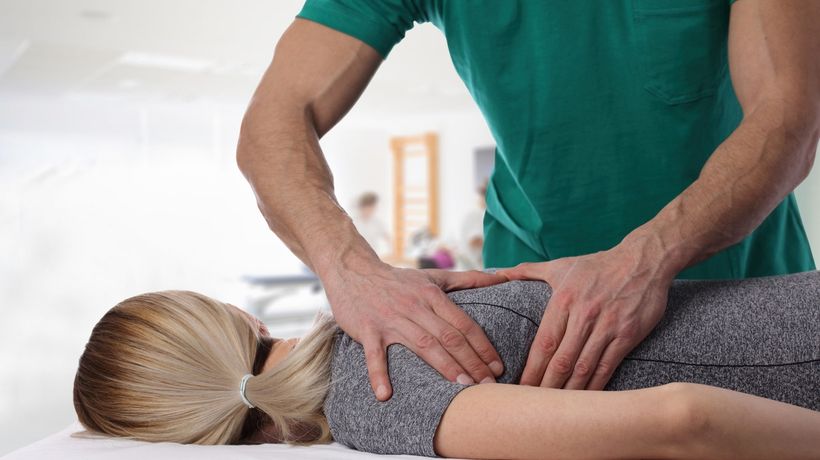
(381, 24)
(509, 314)
(404, 424)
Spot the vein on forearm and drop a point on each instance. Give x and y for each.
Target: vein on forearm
(294, 185)
(769, 154)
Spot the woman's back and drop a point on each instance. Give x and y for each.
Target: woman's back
(759, 336)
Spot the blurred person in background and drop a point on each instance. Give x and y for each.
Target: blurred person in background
(369, 225)
(472, 233)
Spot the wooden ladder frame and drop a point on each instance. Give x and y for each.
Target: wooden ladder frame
(405, 220)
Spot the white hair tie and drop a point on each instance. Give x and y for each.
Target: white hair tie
(242, 385)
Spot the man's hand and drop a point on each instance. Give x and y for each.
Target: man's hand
(378, 305)
(602, 306)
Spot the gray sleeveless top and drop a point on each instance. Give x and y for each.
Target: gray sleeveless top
(759, 336)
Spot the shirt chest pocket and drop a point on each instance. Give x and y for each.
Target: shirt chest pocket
(682, 46)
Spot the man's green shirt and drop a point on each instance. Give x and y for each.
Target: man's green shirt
(603, 111)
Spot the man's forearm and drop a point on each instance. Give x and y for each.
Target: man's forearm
(294, 188)
(770, 153)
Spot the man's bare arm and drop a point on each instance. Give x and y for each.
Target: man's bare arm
(316, 75)
(605, 303)
(314, 79)
(773, 57)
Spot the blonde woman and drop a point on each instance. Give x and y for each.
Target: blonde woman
(178, 366)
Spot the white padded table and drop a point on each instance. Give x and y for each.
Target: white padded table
(62, 445)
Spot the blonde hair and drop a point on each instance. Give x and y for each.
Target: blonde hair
(166, 366)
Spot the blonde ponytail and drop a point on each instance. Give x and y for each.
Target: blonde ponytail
(292, 392)
(166, 366)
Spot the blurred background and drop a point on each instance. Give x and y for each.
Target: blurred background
(118, 126)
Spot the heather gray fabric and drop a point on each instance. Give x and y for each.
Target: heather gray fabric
(758, 336)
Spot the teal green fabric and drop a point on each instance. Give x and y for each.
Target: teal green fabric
(602, 113)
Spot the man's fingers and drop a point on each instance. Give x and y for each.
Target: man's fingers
(376, 359)
(466, 341)
(527, 270)
(544, 345)
(427, 347)
(453, 281)
(587, 361)
(561, 365)
(610, 360)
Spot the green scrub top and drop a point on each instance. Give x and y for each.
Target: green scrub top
(602, 112)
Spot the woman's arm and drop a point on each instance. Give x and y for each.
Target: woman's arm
(671, 421)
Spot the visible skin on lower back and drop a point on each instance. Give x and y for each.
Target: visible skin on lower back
(502, 421)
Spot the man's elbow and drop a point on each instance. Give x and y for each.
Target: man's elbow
(810, 134)
(814, 132)
(801, 119)
(257, 136)
(811, 153)
(809, 108)
(245, 151)
(273, 124)
(804, 92)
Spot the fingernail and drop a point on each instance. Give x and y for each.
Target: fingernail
(497, 367)
(381, 392)
(464, 379)
(488, 379)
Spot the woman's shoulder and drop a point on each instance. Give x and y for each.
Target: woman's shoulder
(406, 423)
(524, 298)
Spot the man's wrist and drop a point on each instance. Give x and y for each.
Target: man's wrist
(665, 257)
(348, 252)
